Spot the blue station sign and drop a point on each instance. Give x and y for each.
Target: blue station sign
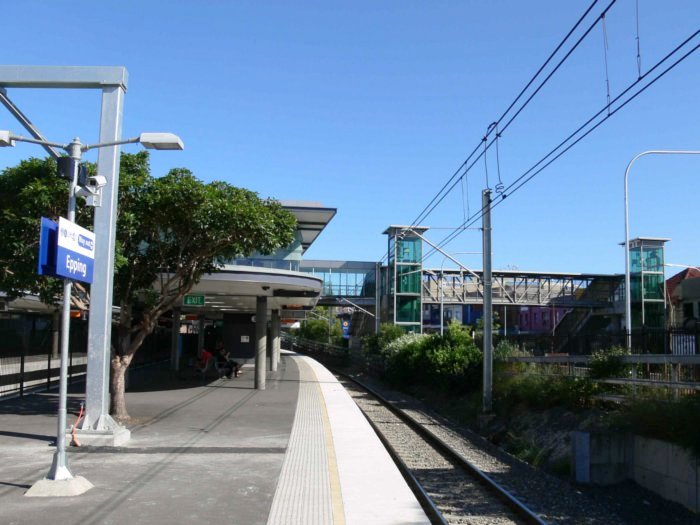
(66, 250)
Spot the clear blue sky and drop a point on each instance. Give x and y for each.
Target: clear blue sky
(370, 106)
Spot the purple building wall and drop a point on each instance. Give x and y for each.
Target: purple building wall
(540, 318)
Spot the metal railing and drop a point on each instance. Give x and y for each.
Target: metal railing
(672, 341)
(31, 365)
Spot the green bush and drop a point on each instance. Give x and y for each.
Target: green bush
(505, 349)
(537, 392)
(449, 363)
(375, 343)
(676, 422)
(608, 363)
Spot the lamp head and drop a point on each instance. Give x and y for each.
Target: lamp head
(5, 139)
(161, 141)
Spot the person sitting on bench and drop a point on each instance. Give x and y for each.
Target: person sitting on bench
(223, 359)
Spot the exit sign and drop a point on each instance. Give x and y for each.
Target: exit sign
(193, 300)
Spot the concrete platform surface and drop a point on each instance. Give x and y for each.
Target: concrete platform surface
(298, 452)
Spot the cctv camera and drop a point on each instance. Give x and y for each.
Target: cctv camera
(97, 181)
(266, 288)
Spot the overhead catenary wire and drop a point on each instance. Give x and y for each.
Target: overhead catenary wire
(520, 182)
(605, 55)
(639, 54)
(451, 183)
(537, 168)
(444, 190)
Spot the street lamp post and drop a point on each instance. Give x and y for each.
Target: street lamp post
(628, 292)
(59, 470)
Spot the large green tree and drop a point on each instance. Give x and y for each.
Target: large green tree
(29, 191)
(170, 232)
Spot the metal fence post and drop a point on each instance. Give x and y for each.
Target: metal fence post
(48, 372)
(21, 371)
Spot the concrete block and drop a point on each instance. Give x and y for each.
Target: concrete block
(581, 456)
(101, 438)
(52, 488)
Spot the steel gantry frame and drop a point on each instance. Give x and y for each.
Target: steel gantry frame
(112, 82)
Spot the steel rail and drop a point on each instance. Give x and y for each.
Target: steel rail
(434, 514)
(498, 490)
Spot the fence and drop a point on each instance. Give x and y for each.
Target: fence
(29, 362)
(674, 341)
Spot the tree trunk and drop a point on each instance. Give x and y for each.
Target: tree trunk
(119, 367)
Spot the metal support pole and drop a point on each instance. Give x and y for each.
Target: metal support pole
(101, 291)
(59, 467)
(442, 299)
(260, 341)
(377, 297)
(275, 334)
(200, 333)
(488, 312)
(175, 340)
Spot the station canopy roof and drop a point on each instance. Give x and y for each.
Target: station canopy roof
(312, 218)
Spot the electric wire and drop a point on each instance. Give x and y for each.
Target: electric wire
(495, 203)
(499, 186)
(605, 54)
(639, 54)
(531, 173)
(424, 214)
(420, 216)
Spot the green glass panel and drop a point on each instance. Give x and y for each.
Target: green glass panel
(391, 250)
(653, 259)
(636, 287)
(635, 260)
(653, 286)
(654, 315)
(408, 309)
(409, 279)
(409, 250)
(636, 315)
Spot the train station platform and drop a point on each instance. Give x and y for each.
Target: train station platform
(299, 452)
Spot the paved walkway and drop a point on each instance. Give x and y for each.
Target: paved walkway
(216, 453)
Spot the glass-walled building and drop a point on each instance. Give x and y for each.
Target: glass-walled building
(403, 276)
(343, 278)
(647, 283)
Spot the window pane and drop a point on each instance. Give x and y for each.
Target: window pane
(409, 279)
(408, 309)
(635, 260)
(653, 259)
(653, 286)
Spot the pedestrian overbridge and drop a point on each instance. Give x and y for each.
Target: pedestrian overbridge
(523, 288)
(347, 282)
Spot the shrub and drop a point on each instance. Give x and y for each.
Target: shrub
(676, 422)
(608, 363)
(505, 349)
(449, 363)
(536, 392)
(375, 343)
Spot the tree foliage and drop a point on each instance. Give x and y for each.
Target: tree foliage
(29, 191)
(170, 232)
(320, 328)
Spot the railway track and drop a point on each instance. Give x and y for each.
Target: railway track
(450, 487)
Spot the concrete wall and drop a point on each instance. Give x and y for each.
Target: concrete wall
(668, 470)
(664, 468)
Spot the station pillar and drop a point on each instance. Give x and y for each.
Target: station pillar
(260, 341)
